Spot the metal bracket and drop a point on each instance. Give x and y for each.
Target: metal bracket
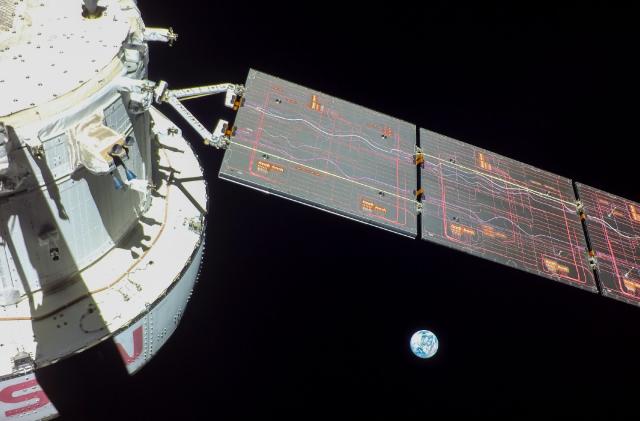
(194, 224)
(23, 362)
(37, 151)
(161, 35)
(160, 91)
(234, 97)
(222, 134)
(138, 93)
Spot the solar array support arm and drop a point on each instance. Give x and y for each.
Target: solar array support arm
(192, 120)
(233, 93)
(220, 136)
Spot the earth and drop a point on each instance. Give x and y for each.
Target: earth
(424, 344)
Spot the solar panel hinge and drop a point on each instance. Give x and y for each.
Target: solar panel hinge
(418, 158)
(593, 260)
(221, 136)
(234, 97)
(580, 210)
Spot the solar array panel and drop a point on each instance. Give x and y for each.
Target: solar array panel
(502, 210)
(613, 226)
(325, 152)
(315, 149)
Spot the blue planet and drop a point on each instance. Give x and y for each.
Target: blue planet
(424, 344)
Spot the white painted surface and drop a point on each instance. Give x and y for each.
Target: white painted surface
(52, 49)
(127, 281)
(22, 398)
(144, 338)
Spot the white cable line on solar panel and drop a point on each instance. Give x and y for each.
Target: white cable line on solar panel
(446, 162)
(291, 145)
(323, 172)
(302, 120)
(519, 228)
(520, 191)
(482, 174)
(474, 215)
(602, 221)
(320, 158)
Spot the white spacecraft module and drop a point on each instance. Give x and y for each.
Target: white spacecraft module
(97, 188)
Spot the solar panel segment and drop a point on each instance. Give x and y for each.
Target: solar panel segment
(315, 149)
(325, 152)
(502, 210)
(613, 226)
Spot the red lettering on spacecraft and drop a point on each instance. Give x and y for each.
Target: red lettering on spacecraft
(137, 347)
(7, 395)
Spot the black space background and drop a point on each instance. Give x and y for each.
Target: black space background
(304, 314)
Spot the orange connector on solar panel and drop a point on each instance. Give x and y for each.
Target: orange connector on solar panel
(239, 102)
(230, 131)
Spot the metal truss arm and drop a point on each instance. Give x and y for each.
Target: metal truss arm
(190, 118)
(233, 93)
(220, 136)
